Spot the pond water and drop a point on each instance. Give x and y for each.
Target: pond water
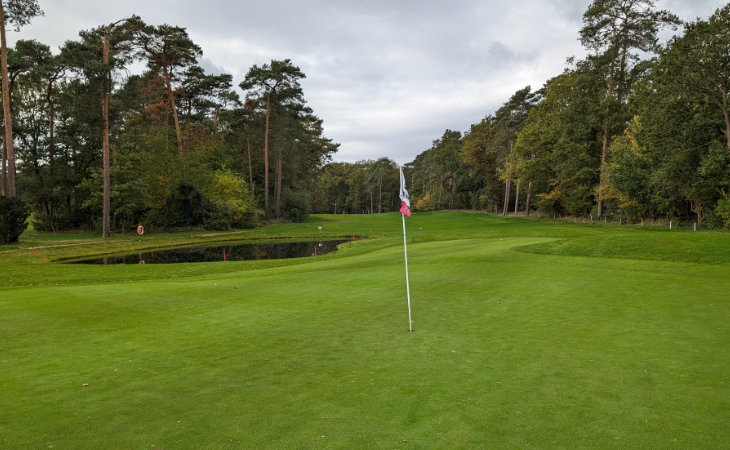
(230, 252)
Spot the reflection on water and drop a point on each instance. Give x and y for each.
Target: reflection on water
(231, 252)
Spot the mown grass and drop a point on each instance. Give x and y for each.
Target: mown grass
(527, 334)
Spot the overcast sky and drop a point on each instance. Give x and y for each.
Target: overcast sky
(386, 76)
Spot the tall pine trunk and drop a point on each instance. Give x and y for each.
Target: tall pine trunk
(508, 173)
(529, 195)
(51, 123)
(604, 142)
(451, 194)
(277, 187)
(726, 117)
(517, 198)
(4, 170)
(250, 168)
(105, 151)
(178, 133)
(8, 121)
(186, 145)
(266, 157)
(507, 186)
(380, 196)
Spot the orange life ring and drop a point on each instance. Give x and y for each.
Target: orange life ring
(141, 261)
(140, 230)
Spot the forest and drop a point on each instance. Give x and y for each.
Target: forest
(634, 131)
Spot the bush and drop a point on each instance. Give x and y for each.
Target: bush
(217, 219)
(13, 215)
(229, 203)
(722, 211)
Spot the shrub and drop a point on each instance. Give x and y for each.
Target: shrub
(723, 211)
(13, 215)
(229, 203)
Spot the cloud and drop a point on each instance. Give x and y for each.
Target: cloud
(387, 77)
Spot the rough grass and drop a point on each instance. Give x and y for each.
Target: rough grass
(527, 334)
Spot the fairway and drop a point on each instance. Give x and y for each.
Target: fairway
(528, 334)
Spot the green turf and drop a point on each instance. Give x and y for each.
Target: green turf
(528, 334)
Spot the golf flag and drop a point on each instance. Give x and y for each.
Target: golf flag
(405, 202)
(405, 209)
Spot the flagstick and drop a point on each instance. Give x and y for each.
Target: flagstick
(408, 286)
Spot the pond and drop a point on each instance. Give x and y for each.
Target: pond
(229, 252)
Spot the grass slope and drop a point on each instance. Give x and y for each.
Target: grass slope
(527, 334)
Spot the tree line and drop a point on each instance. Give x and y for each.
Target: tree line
(94, 146)
(633, 131)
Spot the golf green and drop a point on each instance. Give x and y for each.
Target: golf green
(527, 334)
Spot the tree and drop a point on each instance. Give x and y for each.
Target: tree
(509, 120)
(13, 215)
(117, 51)
(484, 156)
(23, 60)
(333, 187)
(229, 202)
(202, 93)
(628, 174)
(307, 150)
(52, 71)
(278, 83)
(613, 29)
(357, 194)
(169, 51)
(448, 158)
(19, 13)
(680, 127)
(241, 123)
(382, 175)
(701, 58)
(32, 69)
(558, 144)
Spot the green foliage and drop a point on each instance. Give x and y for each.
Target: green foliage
(723, 210)
(185, 207)
(59, 129)
(19, 12)
(484, 157)
(628, 176)
(280, 79)
(297, 205)
(335, 192)
(13, 215)
(671, 162)
(229, 202)
(683, 124)
(559, 147)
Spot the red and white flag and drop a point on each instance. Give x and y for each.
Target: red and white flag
(405, 202)
(405, 209)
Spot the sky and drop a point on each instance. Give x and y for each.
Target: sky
(387, 77)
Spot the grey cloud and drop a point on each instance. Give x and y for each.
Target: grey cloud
(387, 77)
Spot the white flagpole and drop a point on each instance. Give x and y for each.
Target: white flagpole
(408, 286)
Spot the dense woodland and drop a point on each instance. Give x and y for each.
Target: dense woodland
(634, 131)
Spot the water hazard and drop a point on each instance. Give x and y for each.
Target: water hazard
(229, 252)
